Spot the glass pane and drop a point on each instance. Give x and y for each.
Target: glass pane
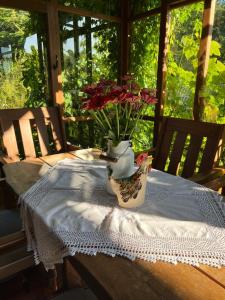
(214, 93)
(184, 41)
(107, 7)
(141, 6)
(23, 59)
(90, 51)
(144, 53)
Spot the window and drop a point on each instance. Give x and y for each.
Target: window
(23, 59)
(184, 41)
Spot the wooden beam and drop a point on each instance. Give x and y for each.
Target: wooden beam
(162, 68)
(54, 54)
(87, 13)
(34, 5)
(181, 3)
(203, 58)
(55, 66)
(155, 11)
(125, 38)
(149, 13)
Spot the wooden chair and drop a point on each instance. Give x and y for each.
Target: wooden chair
(188, 147)
(26, 134)
(31, 132)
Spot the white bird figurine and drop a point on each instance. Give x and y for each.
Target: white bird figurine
(130, 191)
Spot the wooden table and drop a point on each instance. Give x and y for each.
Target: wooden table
(119, 278)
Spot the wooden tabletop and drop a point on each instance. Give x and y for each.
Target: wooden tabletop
(119, 278)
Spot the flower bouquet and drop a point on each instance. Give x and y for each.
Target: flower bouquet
(117, 110)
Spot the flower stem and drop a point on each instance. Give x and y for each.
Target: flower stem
(98, 119)
(117, 122)
(106, 119)
(136, 121)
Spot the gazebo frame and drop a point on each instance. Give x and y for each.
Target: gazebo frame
(51, 8)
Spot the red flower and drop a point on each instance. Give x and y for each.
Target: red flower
(96, 102)
(92, 89)
(148, 96)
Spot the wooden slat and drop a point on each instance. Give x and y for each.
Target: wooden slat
(56, 131)
(192, 156)
(26, 113)
(9, 139)
(195, 128)
(161, 157)
(210, 156)
(27, 138)
(42, 136)
(177, 152)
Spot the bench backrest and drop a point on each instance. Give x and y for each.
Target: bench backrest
(31, 132)
(188, 141)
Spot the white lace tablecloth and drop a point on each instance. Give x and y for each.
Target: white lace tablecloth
(68, 211)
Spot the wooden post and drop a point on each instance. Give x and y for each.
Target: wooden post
(162, 69)
(55, 63)
(125, 37)
(54, 54)
(203, 58)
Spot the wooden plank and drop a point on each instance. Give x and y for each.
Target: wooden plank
(27, 138)
(34, 5)
(203, 57)
(192, 156)
(9, 139)
(146, 14)
(55, 54)
(113, 278)
(163, 150)
(26, 113)
(162, 68)
(56, 131)
(87, 13)
(217, 275)
(195, 127)
(181, 3)
(42, 135)
(125, 279)
(210, 154)
(177, 152)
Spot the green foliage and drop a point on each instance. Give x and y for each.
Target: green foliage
(12, 90)
(22, 71)
(33, 79)
(184, 41)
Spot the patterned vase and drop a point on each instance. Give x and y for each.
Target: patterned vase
(124, 167)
